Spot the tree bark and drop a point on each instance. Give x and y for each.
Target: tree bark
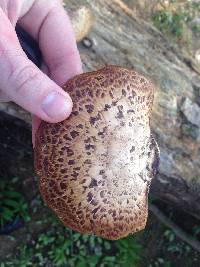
(118, 37)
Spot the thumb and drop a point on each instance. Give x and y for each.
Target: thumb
(23, 83)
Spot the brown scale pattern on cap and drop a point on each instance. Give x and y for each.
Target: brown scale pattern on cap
(95, 167)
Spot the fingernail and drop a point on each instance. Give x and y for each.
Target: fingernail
(57, 106)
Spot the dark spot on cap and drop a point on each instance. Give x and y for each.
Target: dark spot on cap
(83, 181)
(70, 152)
(99, 78)
(66, 137)
(130, 111)
(78, 94)
(89, 108)
(63, 185)
(87, 140)
(95, 210)
(105, 200)
(120, 115)
(103, 131)
(123, 92)
(102, 209)
(75, 113)
(74, 174)
(114, 103)
(71, 162)
(93, 183)
(63, 171)
(80, 126)
(74, 134)
(97, 93)
(89, 196)
(55, 130)
(93, 120)
(107, 107)
(133, 93)
(87, 161)
(94, 202)
(89, 146)
(102, 193)
(132, 149)
(111, 94)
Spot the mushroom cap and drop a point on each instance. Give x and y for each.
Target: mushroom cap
(95, 167)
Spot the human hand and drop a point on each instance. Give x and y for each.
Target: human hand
(20, 80)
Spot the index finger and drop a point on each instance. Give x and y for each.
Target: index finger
(54, 33)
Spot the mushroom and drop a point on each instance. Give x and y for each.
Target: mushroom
(95, 167)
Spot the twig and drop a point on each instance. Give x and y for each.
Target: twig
(125, 8)
(195, 244)
(163, 5)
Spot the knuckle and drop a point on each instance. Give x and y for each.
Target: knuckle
(60, 62)
(23, 78)
(55, 63)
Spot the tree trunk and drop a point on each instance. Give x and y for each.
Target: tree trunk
(118, 37)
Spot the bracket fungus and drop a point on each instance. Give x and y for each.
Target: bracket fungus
(95, 167)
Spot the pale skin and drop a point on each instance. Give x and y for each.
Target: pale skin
(39, 92)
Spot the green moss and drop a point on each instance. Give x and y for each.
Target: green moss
(174, 22)
(62, 247)
(12, 203)
(168, 22)
(190, 130)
